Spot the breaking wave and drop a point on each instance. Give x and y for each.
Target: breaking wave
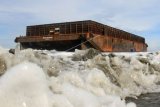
(85, 78)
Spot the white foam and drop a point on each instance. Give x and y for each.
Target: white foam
(24, 86)
(98, 82)
(3, 50)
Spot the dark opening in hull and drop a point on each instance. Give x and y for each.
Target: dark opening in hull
(57, 45)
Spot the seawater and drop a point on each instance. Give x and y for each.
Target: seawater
(147, 100)
(87, 78)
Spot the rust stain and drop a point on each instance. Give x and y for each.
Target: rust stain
(81, 35)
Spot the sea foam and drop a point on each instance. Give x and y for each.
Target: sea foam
(24, 85)
(34, 78)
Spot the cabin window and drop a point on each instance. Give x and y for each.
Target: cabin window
(51, 31)
(57, 30)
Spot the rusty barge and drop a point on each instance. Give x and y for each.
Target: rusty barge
(69, 36)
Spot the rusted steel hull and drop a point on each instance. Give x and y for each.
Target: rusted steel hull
(47, 38)
(81, 35)
(111, 44)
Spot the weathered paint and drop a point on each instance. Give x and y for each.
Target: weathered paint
(81, 35)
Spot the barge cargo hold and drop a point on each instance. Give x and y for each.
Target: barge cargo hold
(69, 36)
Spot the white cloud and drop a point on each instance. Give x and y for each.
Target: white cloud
(133, 15)
(129, 14)
(136, 16)
(153, 43)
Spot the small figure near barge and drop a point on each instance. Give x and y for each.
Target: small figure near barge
(69, 36)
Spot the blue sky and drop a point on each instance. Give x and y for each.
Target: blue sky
(141, 17)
